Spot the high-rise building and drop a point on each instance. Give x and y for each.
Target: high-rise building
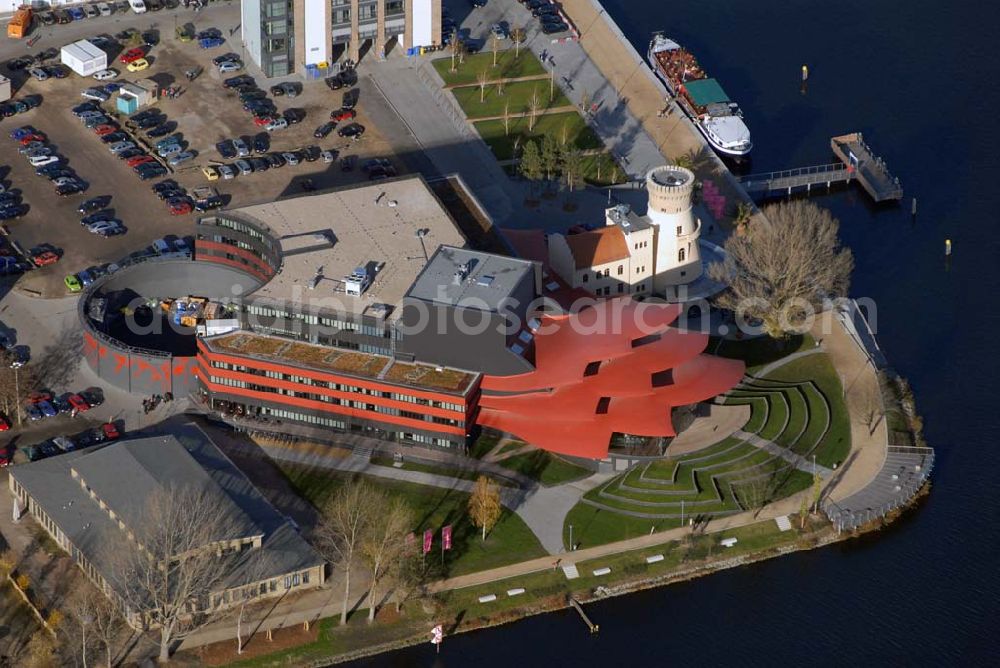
(288, 36)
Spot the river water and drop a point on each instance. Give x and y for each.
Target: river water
(919, 78)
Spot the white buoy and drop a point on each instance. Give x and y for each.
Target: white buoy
(805, 72)
(947, 246)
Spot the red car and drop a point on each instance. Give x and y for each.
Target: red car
(78, 402)
(35, 397)
(343, 115)
(139, 160)
(132, 55)
(34, 136)
(102, 130)
(261, 121)
(111, 432)
(6, 456)
(45, 259)
(4, 423)
(180, 208)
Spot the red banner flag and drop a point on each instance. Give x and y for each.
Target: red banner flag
(428, 540)
(446, 537)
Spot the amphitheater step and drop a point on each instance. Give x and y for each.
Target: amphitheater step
(783, 523)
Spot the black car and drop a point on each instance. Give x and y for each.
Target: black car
(311, 153)
(323, 130)
(535, 4)
(354, 130)
(151, 37)
(239, 80)
(208, 33)
(252, 94)
(260, 107)
(133, 152)
(137, 117)
(95, 203)
(213, 202)
(550, 28)
(11, 211)
(225, 58)
(167, 195)
(84, 108)
(57, 71)
(334, 82)
(275, 160)
(104, 214)
(48, 169)
(154, 5)
(547, 9)
(294, 116)
(226, 149)
(8, 198)
(153, 172)
(166, 184)
(150, 122)
(259, 164)
(114, 137)
(19, 63)
(70, 189)
(162, 130)
(351, 98)
(261, 142)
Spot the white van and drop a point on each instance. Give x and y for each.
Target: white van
(138, 6)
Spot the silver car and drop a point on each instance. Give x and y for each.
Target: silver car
(180, 158)
(244, 167)
(119, 147)
(169, 150)
(291, 158)
(227, 172)
(38, 73)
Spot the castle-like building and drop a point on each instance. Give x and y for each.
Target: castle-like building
(651, 254)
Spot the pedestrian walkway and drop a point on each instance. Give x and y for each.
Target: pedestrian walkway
(798, 461)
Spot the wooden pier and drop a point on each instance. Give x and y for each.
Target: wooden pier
(857, 163)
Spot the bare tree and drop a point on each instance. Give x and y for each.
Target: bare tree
(506, 118)
(92, 620)
(252, 571)
(518, 35)
(482, 78)
(456, 48)
(484, 504)
(783, 269)
(534, 106)
(552, 85)
(15, 382)
(584, 100)
(869, 406)
(384, 542)
(346, 519)
(550, 156)
(174, 565)
(494, 47)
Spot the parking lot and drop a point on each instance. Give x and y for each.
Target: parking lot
(205, 113)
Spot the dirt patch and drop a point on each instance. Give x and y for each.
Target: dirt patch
(224, 653)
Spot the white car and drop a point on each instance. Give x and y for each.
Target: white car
(105, 75)
(230, 66)
(290, 158)
(104, 226)
(180, 158)
(42, 160)
(38, 73)
(104, 8)
(327, 156)
(121, 146)
(95, 94)
(276, 124)
(138, 6)
(35, 152)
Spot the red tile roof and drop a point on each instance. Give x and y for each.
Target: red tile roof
(598, 247)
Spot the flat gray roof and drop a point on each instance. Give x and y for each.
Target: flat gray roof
(463, 277)
(389, 228)
(91, 530)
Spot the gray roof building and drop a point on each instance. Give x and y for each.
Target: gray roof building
(90, 498)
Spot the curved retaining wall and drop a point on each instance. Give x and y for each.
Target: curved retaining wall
(146, 371)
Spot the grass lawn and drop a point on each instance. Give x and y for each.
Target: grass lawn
(595, 526)
(524, 65)
(759, 351)
(513, 445)
(516, 97)
(600, 169)
(545, 468)
(487, 440)
(568, 125)
(509, 542)
(836, 443)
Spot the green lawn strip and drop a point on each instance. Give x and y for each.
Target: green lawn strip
(819, 417)
(516, 98)
(711, 504)
(510, 541)
(526, 64)
(597, 526)
(567, 125)
(426, 468)
(758, 409)
(600, 169)
(798, 416)
(777, 416)
(685, 470)
(836, 444)
(544, 467)
(513, 445)
(487, 441)
(760, 351)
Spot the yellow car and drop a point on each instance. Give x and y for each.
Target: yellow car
(138, 65)
(211, 173)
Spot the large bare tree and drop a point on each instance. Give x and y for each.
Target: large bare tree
(92, 621)
(784, 267)
(385, 542)
(170, 570)
(347, 518)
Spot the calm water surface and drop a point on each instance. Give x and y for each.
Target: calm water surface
(919, 78)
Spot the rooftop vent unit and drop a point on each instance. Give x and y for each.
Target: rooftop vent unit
(485, 281)
(461, 273)
(356, 284)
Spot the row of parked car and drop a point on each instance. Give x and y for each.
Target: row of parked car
(47, 162)
(90, 11)
(257, 103)
(60, 444)
(549, 14)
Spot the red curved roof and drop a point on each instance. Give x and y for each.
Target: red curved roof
(616, 366)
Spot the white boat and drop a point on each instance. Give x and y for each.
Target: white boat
(702, 98)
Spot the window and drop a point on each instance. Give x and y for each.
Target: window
(680, 255)
(586, 277)
(607, 272)
(621, 287)
(621, 269)
(680, 230)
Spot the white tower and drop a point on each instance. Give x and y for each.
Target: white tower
(677, 260)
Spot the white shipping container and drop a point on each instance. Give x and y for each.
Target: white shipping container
(84, 58)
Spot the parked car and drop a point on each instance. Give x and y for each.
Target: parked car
(291, 158)
(180, 158)
(120, 146)
(294, 116)
(241, 80)
(227, 172)
(161, 130)
(209, 203)
(354, 131)
(138, 65)
(211, 42)
(73, 283)
(230, 66)
(343, 115)
(132, 55)
(286, 88)
(324, 130)
(94, 204)
(95, 94)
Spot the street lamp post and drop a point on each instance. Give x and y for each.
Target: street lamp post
(571, 538)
